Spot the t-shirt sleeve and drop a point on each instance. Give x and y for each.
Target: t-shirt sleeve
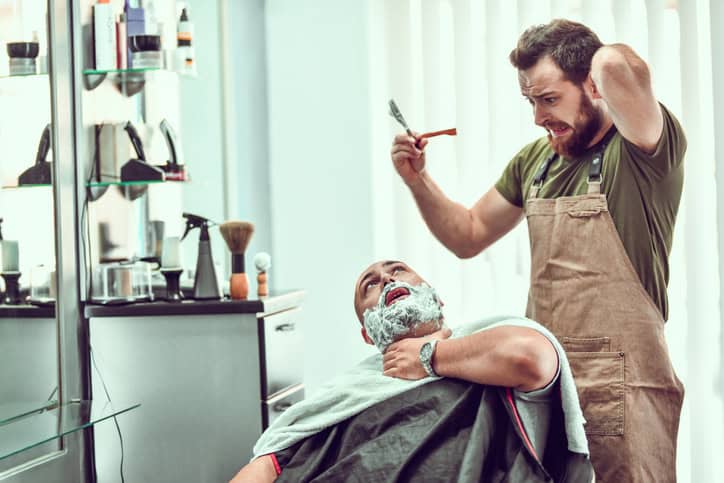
(284, 456)
(509, 183)
(542, 394)
(669, 152)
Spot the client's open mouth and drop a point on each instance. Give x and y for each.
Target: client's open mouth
(396, 294)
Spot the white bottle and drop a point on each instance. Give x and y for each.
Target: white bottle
(185, 61)
(104, 36)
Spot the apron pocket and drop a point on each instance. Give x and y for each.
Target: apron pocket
(583, 213)
(586, 344)
(599, 381)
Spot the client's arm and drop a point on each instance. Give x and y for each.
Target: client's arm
(516, 357)
(260, 470)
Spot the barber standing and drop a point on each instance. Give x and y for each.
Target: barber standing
(600, 194)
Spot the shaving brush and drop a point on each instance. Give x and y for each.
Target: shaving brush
(237, 235)
(262, 262)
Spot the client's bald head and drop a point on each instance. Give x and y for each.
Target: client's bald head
(392, 302)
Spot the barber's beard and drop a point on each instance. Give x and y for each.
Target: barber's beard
(385, 325)
(585, 128)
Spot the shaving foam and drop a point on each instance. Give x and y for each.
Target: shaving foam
(385, 325)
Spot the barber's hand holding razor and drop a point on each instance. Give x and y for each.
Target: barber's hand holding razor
(408, 156)
(402, 359)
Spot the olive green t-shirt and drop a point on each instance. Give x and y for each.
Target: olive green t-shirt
(643, 193)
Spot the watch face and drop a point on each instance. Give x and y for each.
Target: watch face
(426, 351)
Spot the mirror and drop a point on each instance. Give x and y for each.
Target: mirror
(28, 328)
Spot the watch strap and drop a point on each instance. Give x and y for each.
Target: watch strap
(426, 360)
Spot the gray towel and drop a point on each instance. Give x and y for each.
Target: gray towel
(364, 386)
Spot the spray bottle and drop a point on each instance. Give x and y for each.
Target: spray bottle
(206, 286)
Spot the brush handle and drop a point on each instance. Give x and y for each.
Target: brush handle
(262, 288)
(239, 286)
(237, 263)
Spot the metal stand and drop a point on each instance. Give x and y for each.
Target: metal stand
(12, 288)
(173, 287)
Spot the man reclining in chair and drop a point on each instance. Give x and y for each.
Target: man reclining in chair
(489, 401)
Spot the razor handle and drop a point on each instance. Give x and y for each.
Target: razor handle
(262, 285)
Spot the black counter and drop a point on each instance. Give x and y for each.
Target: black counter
(26, 311)
(273, 303)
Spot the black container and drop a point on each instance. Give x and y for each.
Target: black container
(23, 50)
(144, 43)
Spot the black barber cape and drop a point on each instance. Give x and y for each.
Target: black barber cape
(447, 430)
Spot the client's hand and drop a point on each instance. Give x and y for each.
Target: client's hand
(261, 469)
(402, 359)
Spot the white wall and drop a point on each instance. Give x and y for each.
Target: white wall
(225, 135)
(201, 132)
(321, 192)
(248, 127)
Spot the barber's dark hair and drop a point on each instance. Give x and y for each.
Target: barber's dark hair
(570, 44)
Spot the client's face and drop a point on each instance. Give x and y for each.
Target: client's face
(393, 302)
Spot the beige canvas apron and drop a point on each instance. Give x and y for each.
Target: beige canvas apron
(586, 291)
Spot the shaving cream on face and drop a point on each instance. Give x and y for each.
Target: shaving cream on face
(385, 325)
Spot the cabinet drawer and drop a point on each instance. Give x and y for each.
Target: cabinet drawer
(280, 352)
(274, 407)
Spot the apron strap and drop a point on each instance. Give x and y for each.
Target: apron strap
(594, 171)
(540, 175)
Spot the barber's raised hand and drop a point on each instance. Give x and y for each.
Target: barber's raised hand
(402, 359)
(408, 156)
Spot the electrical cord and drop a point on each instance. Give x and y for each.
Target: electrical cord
(88, 258)
(115, 419)
(84, 221)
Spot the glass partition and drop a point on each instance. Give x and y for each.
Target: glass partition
(28, 327)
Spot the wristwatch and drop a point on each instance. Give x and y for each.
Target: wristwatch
(426, 352)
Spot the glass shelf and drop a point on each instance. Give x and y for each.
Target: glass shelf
(45, 425)
(8, 76)
(128, 81)
(15, 186)
(119, 71)
(101, 184)
(11, 412)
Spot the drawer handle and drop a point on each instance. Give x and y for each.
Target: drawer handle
(280, 407)
(284, 327)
